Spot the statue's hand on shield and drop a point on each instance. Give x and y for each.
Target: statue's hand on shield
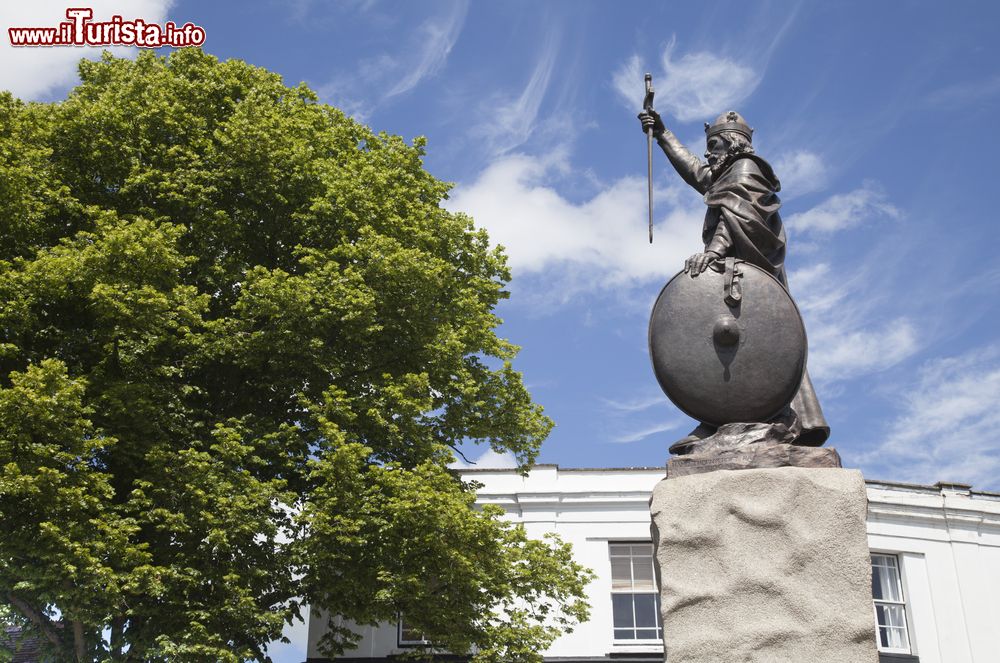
(651, 119)
(699, 262)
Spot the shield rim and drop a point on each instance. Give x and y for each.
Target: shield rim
(805, 340)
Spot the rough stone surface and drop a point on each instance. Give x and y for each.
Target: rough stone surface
(749, 445)
(731, 436)
(764, 566)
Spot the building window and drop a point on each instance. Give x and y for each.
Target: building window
(408, 636)
(635, 601)
(890, 605)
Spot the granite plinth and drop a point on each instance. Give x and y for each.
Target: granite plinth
(764, 566)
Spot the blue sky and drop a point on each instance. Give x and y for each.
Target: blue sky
(878, 118)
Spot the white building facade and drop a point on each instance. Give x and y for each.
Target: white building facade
(935, 562)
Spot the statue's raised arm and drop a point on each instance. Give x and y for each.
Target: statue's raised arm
(687, 165)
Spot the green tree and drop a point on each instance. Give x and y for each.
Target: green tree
(240, 342)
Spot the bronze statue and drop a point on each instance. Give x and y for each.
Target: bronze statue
(742, 223)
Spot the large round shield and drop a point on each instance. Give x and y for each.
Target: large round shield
(727, 345)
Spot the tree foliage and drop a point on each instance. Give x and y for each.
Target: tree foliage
(240, 339)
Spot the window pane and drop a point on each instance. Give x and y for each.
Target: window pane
(409, 634)
(642, 549)
(885, 578)
(892, 638)
(621, 573)
(620, 549)
(890, 615)
(624, 634)
(642, 573)
(883, 560)
(646, 634)
(621, 606)
(645, 610)
(877, 573)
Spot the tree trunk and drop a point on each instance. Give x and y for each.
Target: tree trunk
(78, 642)
(117, 628)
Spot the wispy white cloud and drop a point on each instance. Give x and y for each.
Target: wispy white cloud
(945, 427)
(844, 210)
(311, 11)
(381, 77)
(692, 86)
(488, 460)
(848, 338)
(698, 85)
(839, 350)
(627, 82)
(437, 37)
(801, 172)
(817, 282)
(33, 73)
(341, 93)
(641, 414)
(643, 433)
(590, 245)
(965, 93)
(512, 120)
(635, 404)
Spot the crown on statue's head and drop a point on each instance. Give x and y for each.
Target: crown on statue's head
(731, 121)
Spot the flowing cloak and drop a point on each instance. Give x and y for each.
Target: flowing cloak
(742, 221)
(742, 218)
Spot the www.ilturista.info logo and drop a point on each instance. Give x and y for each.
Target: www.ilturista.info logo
(79, 30)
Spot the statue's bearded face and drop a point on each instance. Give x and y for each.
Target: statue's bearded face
(716, 152)
(723, 148)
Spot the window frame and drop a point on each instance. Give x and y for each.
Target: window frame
(633, 591)
(400, 642)
(902, 603)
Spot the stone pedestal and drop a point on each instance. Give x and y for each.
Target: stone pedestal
(764, 566)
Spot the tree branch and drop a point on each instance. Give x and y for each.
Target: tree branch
(36, 618)
(456, 450)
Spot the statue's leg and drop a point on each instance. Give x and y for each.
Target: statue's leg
(815, 430)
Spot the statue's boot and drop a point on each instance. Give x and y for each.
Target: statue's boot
(686, 444)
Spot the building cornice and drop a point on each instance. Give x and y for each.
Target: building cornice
(553, 494)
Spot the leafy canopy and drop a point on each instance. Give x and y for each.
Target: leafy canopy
(240, 339)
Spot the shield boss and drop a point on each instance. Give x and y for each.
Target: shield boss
(727, 345)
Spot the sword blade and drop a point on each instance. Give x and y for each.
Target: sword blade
(649, 176)
(647, 105)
